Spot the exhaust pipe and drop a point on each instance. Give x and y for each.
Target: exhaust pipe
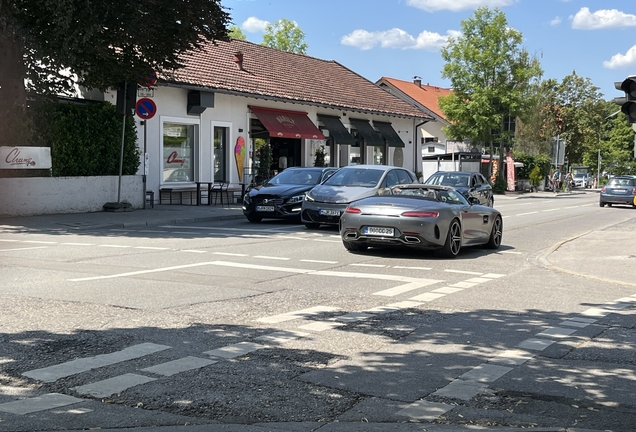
(351, 235)
(411, 239)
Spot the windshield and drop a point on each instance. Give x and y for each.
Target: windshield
(621, 182)
(359, 177)
(449, 179)
(296, 176)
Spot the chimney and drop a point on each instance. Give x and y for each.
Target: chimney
(238, 59)
(417, 81)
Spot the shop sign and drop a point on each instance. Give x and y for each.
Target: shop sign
(25, 157)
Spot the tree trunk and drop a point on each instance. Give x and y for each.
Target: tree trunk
(12, 91)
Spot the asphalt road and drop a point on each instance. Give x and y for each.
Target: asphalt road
(275, 327)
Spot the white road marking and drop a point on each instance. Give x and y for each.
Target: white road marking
(194, 251)
(113, 385)
(463, 285)
(26, 248)
(427, 297)
(255, 236)
(114, 246)
(326, 241)
(73, 367)
(40, 403)
(354, 317)
(79, 244)
(151, 248)
(235, 350)
(485, 373)
(551, 210)
(510, 252)
(535, 344)
(447, 290)
(525, 214)
(153, 231)
(512, 357)
(413, 268)
(368, 265)
(477, 280)
(230, 254)
(463, 272)
(38, 242)
(180, 365)
(321, 326)
(493, 275)
(391, 292)
(281, 337)
(316, 310)
(407, 304)
(140, 272)
(272, 258)
(9, 241)
(319, 261)
(424, 410)
(505, 217)
(460, 389)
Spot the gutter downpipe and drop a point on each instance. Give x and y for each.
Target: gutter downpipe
(416, 157)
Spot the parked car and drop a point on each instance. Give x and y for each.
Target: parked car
(282, 195)
(619, 190)
(325, 203)
(469, 184)
(582, 181)
(421, 216)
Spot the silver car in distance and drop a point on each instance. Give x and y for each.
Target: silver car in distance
(421, 216)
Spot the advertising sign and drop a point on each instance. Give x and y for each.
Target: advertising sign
(25, 158)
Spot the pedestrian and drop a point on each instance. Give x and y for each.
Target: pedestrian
(556, 181)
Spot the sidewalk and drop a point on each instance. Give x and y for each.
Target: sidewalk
(159, 215)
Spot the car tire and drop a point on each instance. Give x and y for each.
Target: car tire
(601, 204)
(354, 247)
(254, 218)
(310, 225)
(491, 202)
(453, 243)
(496, 234)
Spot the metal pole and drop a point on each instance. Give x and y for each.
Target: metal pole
(121, 156)
(145, 122)
(598, 172)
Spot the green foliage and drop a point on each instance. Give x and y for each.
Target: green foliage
(235, 32)
(530, 162)
(85, 140)
(499, 187)
(104, 42)
(263, 159)
(490, 75)
(536, 176)
(319, 158)
(285, 35)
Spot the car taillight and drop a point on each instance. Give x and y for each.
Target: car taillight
(634, 191)
(353, 210)
(422, 214)
(603, 190)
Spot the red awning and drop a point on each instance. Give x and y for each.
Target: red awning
(287, 124)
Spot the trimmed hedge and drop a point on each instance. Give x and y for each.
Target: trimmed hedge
(86, 139)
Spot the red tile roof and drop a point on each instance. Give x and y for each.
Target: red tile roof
(425, 95)
(274, 74)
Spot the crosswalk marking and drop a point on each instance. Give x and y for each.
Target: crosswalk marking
(40, 403)
(321, 326)
(235, 350)
(281, 337)
(406, 287)
(73, 367)
(429, 296)
(180, 365)
(113, 385)
(313, 311)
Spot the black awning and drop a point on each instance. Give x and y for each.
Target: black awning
(390, 135)
(370, 135)
(336, 129)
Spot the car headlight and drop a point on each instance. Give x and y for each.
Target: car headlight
(309, 198)
(246, 198)
(296, 199)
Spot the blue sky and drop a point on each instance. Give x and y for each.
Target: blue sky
(402, 38)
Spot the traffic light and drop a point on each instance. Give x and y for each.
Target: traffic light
(126, 98)
(627, 102)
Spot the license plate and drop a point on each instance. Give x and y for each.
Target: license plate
(620, 191)
(327, 212)
(264, 208)
(387, 232)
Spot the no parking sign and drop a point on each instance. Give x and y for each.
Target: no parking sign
(146, 108)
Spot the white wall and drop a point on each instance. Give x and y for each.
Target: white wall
(29, 196)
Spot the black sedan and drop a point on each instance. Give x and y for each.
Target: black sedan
(281, 197)
(470, 184)
(423, 217)
(619, 190)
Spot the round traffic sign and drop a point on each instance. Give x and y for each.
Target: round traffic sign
(146, 108)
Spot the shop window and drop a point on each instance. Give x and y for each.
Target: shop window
(379, 155)
(221, 138)
(431, 149)
(354, 156)
(178, 152)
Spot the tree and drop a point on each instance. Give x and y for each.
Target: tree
(285, 35)
(54, 44)
(490, 74)
(235, 32)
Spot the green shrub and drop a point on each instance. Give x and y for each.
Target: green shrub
(499, 187)
(535, 177)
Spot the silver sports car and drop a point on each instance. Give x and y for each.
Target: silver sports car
(421, 216)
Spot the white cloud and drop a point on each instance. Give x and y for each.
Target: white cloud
(556, 21)
(456, 5)
(397, 38)
(254, 25)
(602, 18)
(620, 60)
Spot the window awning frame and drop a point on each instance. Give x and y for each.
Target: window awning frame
(390, 135)
(371, 136)
(337, 130)
(287, 124)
